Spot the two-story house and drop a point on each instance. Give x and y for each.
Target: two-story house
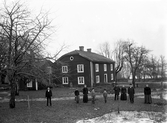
(81, 67)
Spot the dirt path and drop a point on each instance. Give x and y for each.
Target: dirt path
(138, 95)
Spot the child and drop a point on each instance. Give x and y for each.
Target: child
(105, 95)
(93, 95)
(76, 95)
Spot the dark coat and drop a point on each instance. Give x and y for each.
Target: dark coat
(123, 90)
(85, 91)
(131, 91)
(123, 94)
(147, 91)
(76, 92)
(85, 95)
(116, 90)
(48, 94)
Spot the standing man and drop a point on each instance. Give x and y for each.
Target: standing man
(85, 94)
(131, 92)
(147, 95)
(116, 91)
(48, 95)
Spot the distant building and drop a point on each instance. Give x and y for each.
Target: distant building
(32, 83)
(81, 67)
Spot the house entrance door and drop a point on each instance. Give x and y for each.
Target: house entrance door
(105, 78)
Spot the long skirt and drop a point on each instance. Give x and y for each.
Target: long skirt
(85, 98)
(147, 99)
(123, 96)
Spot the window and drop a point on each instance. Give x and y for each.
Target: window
(71, 58)
(105, 67)
(97, 79)
(80, 68)
(81, 80)
(105, 78)
(97, 67)
(111, 67)
(65, 80)
(112, 77)
(64, 69)
(29, 84)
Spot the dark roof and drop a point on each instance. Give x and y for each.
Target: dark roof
(44, 62)
(94, 57)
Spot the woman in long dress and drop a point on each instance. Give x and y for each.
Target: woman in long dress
(123, 93)
(147, 95)
(85, 94)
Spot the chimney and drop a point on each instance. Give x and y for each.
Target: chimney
(81, 48)
(89, 50)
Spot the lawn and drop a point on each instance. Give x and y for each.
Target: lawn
(67, 111)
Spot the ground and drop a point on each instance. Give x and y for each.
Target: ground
(65, 110)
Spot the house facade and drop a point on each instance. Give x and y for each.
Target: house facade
(81, 67)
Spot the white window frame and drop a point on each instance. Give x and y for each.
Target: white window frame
(64, 69)
(80, 68)
(112, 76)
(29, 84)
(105, 67)
(111, 67)
(97, 79)
(105, 78)
(97, 67)
(81, 78)
(65, 80)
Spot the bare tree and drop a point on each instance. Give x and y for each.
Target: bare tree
(118, 56)
(105, 49)
(135, 56)
(150, 67)
(23, 34)
(155, 68)
(163, 66)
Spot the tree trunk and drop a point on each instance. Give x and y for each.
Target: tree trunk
(12, 96)
(116, 80)
(133, 80)
(10, 76)
(17, 89)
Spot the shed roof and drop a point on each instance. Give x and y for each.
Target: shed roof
(94, 57)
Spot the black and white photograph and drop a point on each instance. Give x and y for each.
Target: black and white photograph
(83, 61)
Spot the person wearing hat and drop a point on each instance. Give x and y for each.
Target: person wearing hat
(48, 95)
(116, 91)
(131, 92)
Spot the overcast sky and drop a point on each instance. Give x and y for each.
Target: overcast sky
(92, 22)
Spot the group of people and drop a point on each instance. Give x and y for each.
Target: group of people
(123, 90)
(117, 90)
(131, 92)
